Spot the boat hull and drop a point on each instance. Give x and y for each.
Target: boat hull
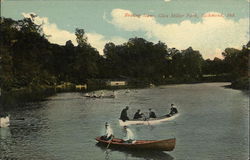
(150, 121)
(162, 145)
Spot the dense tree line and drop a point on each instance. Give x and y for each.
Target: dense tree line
(28, 59)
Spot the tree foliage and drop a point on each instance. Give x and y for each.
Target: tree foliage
(28, 59)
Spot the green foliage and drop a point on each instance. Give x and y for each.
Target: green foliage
(29, 61)
(241, 83)
(237, 61)
(80, 37)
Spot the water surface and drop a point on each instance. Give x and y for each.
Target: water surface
(212, 125)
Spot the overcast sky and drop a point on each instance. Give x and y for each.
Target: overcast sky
(209, 26)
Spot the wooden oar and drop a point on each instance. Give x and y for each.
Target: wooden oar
(110, 142)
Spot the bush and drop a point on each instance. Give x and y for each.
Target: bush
(241, 83)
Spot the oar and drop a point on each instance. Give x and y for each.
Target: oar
(110, 142)
(147, 119)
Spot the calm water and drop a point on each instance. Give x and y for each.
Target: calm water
(212, 125)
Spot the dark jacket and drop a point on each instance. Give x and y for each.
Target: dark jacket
(173, 110)
(124, 115)
(152, 114)
(138, 115)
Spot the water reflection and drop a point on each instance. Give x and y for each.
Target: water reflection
(5, 133)
(147, 155)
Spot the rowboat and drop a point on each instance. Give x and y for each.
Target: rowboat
(156, 145)
(150, 121)
(95, 96)
(4, 122)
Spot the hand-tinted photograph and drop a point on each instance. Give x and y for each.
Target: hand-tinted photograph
(124, 79)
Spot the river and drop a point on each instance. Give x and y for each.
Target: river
(213, 124)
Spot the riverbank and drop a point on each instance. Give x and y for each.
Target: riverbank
(241, 83)
(18, 97)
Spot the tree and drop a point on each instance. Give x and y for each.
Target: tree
(80, 37)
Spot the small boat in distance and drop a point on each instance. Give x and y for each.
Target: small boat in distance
(108, 96)
(153, 145)
(93, 95)
(4, 122)
(150, 121)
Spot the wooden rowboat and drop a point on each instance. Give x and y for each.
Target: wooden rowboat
(161, 145)
(150, 121)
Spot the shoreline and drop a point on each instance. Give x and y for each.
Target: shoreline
(18, 98)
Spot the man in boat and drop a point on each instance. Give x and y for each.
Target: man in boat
(151, 113)
(124, 115)
(108, 132)
(129, 136)
(102, 94)
(87, 95)
(173, 110)
(114, 95)
(138, 114)
(94, 95)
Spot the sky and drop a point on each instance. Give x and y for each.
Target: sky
(209, 26)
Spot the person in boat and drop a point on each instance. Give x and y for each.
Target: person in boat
(114, 95)
(129, 136)
(87, 95)
(173, 110)
(124, 115)
(102, 94)
(138, 114)
(108, 133)
(94, 95)
(151, 113)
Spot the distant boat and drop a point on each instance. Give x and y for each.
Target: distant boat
(97, 96)
(4, 122)
(150, 121)
(127, 91)
(152, 145)
(109, 96)
(151, 85)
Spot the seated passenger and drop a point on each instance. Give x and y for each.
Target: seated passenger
(173, 110)
(138, 114)
(151, 113)
(129, 136)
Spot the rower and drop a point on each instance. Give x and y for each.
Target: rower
(124, 115)
(138, 114)
(173, 110)
(151, 113)
(108, 132)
